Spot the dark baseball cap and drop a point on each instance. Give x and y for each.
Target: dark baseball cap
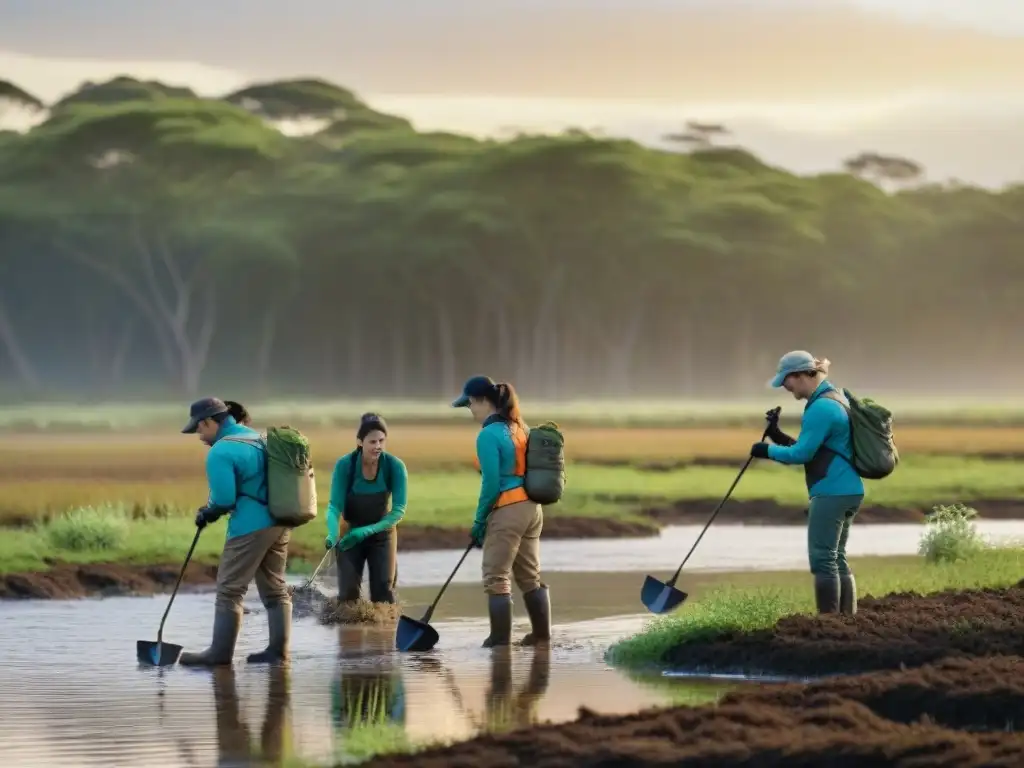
(203, 409)
(477, 386)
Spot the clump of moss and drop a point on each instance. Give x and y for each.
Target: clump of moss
(360, 611)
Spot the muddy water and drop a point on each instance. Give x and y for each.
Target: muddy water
(73, 694)
(723, 548)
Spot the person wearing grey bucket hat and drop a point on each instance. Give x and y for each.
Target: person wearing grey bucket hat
(255, 546)
(835, 489)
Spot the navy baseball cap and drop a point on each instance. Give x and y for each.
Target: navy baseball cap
(478, 386)
(203, 409)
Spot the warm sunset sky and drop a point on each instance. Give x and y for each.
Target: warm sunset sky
(802, 82)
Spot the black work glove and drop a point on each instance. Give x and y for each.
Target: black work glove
(759, 450)
(773, 432)
(205, 516)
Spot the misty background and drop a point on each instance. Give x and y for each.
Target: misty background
(889, 287)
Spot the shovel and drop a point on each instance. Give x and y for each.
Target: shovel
(412, 635)
(663, 597)
(161, 654)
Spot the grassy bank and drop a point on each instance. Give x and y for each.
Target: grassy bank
(154, 517)
(746, 609)
(448, 497)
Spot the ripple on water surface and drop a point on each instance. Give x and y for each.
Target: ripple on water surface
(73, 694)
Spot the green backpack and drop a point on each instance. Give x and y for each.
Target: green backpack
(545, 464)
(291, 482)
(874, 451)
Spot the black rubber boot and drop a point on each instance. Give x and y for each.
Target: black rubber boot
(847, 594)
(826, 593)
(500, 609)
(279, 622)
(538, 605)
(226, 625)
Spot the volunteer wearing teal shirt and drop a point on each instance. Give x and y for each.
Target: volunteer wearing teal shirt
(362, 484)
(835, 488)
(507, 524)
(255, 546)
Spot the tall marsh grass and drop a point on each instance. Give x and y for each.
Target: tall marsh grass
(88, 529)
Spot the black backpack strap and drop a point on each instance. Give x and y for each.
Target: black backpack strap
(352, 466)
(834, 396)
(356, 464)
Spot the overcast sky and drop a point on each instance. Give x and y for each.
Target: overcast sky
(802, 83)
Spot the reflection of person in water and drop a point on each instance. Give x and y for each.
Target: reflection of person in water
(362, 697)
(234, 740)
(505, 708)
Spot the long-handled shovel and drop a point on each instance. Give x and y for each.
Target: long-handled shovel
(663, 597)
(161, 654)
(412, 635)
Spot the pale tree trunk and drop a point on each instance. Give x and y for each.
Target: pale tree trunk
(621, 349)
(182, 309)
(264, 353)
(446, 347)
(28, 378)
(399, 364)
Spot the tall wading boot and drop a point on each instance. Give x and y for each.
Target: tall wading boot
(538, 606)
(226, 624)
(826, 593)
(279, 621)
(847, 594)
(500, 609)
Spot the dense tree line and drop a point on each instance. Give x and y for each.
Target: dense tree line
(290, 239)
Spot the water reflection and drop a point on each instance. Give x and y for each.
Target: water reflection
(72, 696)
(235, 745)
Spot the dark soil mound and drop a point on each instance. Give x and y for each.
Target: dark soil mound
(981, 694)
(835, 723)
(65, 581)
(890, 632)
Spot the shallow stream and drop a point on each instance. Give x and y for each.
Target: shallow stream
(73, 694)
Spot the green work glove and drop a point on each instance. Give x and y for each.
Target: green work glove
(354, 538)
(478, 532)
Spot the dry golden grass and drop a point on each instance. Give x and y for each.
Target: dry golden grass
(45, 473)
(145, 458)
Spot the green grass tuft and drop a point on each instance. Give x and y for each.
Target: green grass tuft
(88, 529)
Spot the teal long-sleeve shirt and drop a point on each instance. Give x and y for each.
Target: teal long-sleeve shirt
(496, 458)
(825, 422)
(236, 473)
(390, 468)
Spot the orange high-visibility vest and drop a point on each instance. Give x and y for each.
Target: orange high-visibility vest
(514, 495)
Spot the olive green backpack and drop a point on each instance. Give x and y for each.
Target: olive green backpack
(291, 482)
(874, 450)
(545, 464)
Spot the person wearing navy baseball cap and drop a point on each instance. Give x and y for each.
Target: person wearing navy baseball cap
(507, 524)
(255, 545)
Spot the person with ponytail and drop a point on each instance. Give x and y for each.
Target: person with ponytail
(506, 524)
(836, 491)
(363, 484)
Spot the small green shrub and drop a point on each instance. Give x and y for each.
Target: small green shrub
(950, 535)
(88, 529)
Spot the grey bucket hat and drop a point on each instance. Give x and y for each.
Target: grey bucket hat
(793, 362)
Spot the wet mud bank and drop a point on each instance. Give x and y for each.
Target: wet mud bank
(891, 632)
(959, 713)
(67, 582)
